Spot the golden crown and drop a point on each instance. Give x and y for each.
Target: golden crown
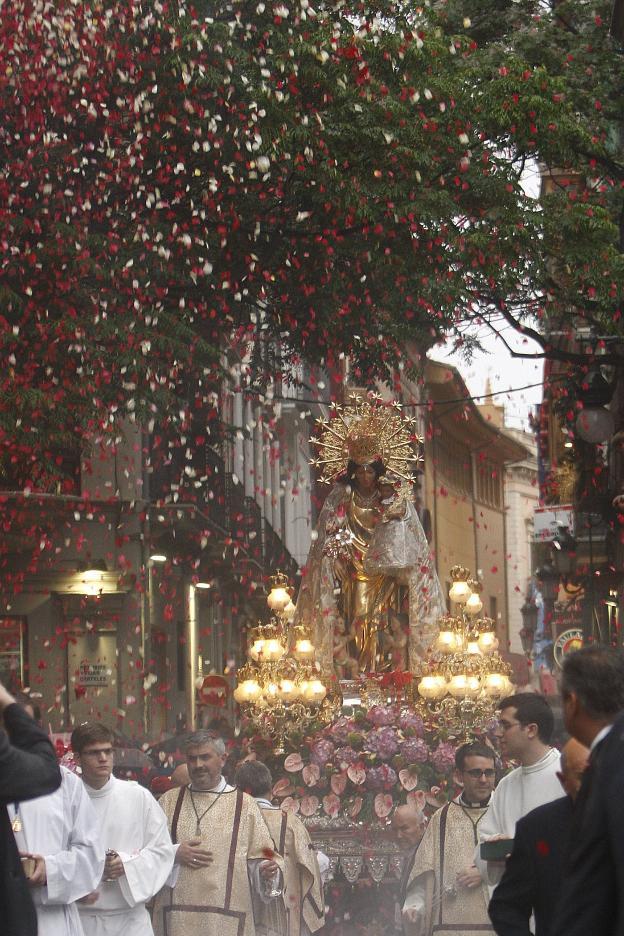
(364, 431)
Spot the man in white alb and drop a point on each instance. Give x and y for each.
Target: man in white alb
(60, 832)
(526, 726)
(133, 829)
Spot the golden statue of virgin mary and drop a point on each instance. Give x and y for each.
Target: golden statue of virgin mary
(370, 553)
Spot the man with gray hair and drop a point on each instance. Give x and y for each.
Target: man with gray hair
(213, 827)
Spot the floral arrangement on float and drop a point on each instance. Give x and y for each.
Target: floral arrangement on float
(361, 767)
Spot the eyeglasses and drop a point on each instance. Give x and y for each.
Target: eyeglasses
(506, 725)
(477, 774)
(100, 752)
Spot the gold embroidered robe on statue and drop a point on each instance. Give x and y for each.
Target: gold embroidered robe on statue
(217, 900)
(447, 848)
(302, 910)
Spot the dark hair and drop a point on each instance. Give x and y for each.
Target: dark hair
(472, 749)
(595, 675)
(532, 709)
(253, 777)
(378, 467)
(89, 733)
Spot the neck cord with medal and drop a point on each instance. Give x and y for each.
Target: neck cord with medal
(207, 810)
(465, 807)
(16, 823)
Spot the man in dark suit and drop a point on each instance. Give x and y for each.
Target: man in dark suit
(28, 768)
(534, 870)
(592, 894)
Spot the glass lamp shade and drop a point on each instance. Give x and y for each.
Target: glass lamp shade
(279, 598)
(473, 647)
(288, 690)
(595, 424)
(458, 686)
(432, 687)
(313, 690)
(446, 642)
(247, 692)
(289, 611)
(257, 649)
(474, 605)
(473, 687)
(459, 592)
(488, 642)
(273, 650)
(496, 684)
(303, 649)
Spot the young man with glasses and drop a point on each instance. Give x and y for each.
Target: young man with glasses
(133, 830)
(445, 892)
(525, 729)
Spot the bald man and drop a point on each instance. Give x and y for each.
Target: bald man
(408, 825)
(533, 875)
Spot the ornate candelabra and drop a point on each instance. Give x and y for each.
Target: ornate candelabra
(281, 689)
(463, 677)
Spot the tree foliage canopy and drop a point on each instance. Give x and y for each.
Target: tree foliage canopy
(320, 179)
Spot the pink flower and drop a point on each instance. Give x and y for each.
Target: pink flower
(382, 805)
(283, 787)
(331, 804)
(338, 783)
(290, 804)
(408, 779)
(417, 799)
(311, 774)
(309, 805)
(356, 774)
(356, 807)
(293, 763)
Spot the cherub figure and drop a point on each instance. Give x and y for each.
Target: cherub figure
(395, 640)
(345, 665)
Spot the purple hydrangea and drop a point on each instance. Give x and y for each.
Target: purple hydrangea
(415, 751)
(340, 730)
(380, 715)
(345, 755)
(321, 752)
(443, 758)
(413, 722)
(383, 742)
(380, 778)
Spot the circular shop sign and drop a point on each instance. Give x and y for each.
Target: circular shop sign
(567, 642)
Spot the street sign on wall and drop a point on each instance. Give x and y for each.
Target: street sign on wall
(548, 520)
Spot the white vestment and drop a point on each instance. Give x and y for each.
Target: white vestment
(132, 824)
(522, 790)
(63, 828)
